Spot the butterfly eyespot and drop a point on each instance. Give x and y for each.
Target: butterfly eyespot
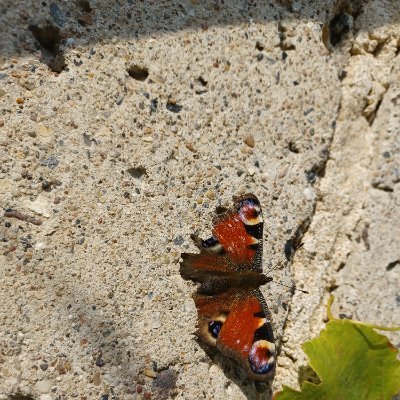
(261, 357)
(214, 327)
(250, 212)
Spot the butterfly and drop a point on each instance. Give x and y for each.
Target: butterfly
(233, 316)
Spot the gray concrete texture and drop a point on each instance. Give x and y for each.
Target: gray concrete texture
(124, 124)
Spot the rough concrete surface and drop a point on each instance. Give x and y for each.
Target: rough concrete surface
(124, 124)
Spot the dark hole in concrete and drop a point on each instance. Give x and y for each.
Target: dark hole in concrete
(20, 396)
(293, 147)
(138, 73)
(47, 34)
(338, 28)
(137, 172)
(84, 5)
(202, 81)
(342, 74)
(392, 264)
(259, 46)
(49, 38)
(378, 49)
(173, 107)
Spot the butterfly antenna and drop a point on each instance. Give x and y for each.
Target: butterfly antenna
(270, 270)
(292, 288)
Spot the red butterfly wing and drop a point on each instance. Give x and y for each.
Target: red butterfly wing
(238, 324)
(236, 243)
(240, 230)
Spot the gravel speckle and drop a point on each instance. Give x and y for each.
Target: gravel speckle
(57, 14)
(179, 240)
(50, 162)
(44, 366)
(173, 107)
(44, 386)
(100, 362)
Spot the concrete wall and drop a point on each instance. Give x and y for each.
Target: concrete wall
(124, 124)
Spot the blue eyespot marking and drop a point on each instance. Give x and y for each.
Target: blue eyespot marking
(214, 327)
(211, 242)
(262, 369)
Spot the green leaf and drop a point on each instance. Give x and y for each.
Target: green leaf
(352, 361)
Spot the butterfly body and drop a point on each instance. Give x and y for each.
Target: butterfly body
(232, 314)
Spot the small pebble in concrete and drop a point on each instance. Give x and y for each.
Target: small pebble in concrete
(44, 386)
(179, 240)
(100, 362)
(249, 140)
(44, 366)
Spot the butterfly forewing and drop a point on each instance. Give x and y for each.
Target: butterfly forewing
(236, 243)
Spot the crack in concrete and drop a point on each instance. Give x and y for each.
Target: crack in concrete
(304, 226)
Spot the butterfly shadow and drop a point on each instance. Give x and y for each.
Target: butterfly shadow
(235, 373)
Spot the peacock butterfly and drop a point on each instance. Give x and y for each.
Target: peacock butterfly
(233, 316)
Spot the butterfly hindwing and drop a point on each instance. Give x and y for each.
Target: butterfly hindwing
(238, 324)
